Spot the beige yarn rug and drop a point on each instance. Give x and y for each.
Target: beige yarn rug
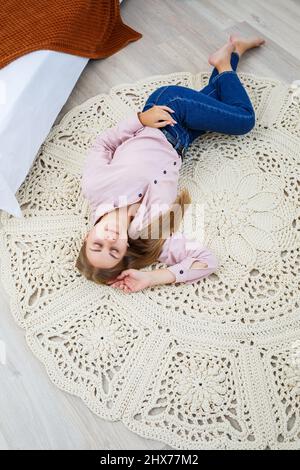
(212, 365)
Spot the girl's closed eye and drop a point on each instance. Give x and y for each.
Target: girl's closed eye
(114, 252)
(96, 245)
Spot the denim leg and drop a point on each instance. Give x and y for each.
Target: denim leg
(232, 113)
(210, 89)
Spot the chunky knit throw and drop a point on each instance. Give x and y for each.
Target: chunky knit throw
(88, 28)
(211, 365)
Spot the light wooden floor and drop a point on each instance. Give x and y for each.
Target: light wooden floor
(178, 35)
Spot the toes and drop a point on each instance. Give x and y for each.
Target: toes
(234, 38)
(258, 42)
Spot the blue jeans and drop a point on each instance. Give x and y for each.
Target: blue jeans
(221, 106)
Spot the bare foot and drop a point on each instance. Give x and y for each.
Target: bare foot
(221, 58)
(243, 44)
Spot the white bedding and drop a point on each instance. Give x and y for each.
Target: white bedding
(33, 90)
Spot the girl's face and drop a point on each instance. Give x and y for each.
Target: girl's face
(107, 241)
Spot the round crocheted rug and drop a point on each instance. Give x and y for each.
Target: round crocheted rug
(210, 365)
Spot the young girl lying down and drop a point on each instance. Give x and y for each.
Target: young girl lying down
(130, 178)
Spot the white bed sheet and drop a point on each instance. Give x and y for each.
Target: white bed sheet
(33, 90)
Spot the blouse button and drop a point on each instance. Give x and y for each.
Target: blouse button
(175, 163)
(181, 272)
(155, 181)
(140, 195)
(165, 171)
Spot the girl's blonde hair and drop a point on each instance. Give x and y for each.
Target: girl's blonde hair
(142, 251)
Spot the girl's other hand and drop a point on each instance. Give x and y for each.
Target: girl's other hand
(132, 280)
(157, 116)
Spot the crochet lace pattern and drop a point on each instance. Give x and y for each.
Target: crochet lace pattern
(211, 365)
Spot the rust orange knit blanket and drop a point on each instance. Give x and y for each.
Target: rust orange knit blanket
(88, 28)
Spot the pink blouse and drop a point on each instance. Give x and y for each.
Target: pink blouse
(129, 161)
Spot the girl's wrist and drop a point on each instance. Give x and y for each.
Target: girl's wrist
(161, 276)
(150, 278)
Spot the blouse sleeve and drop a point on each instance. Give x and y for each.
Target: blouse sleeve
(179, 253)
(106, 143)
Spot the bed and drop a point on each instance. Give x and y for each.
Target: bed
(27, 113)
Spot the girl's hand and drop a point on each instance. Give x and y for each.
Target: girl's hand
(157, 116)
(132, 280)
